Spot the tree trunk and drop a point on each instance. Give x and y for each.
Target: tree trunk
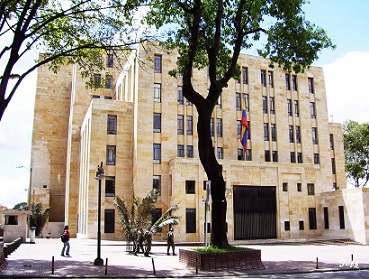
(214, 172)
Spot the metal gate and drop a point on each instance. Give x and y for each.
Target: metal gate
(255, 212)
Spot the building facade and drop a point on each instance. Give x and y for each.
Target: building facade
(144, 131)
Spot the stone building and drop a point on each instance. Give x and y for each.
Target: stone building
(144, 131)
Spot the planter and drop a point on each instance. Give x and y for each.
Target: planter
(247, 259)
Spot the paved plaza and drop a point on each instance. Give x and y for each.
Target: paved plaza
(43, 259)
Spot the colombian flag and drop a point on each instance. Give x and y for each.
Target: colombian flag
(244, 129)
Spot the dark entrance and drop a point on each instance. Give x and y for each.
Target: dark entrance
(255, 212)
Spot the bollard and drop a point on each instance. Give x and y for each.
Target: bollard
(153, 265)
(106, 266)
(52, 265)
(317, 263)
(197, 268)
(352, 258)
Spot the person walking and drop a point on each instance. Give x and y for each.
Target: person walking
(65, 239)
(170, 241)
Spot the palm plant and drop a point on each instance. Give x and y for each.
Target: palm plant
(38, 217)
(140, 215)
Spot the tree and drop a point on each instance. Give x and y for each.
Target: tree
(76, 31)
(20, 206)
(140, 215)
(356, 143)
(39, 217)
(212, 33)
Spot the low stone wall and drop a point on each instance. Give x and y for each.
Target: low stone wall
(12, 246)
(231, 260)
(3, 262)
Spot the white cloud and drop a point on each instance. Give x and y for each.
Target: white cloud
(347, 89)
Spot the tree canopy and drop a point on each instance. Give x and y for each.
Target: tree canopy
(356, 143)
(212, 33)
(75, 31)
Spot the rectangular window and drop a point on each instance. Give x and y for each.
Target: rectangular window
(157, 153)
(326, 218)
(189, 151)
(291, 133)
(316, 159)
(246, 102)
(301, 225)
(263, 78)
(189, 124)
(180, 150)
(238, 128)
(11, 220)
(190, 186)
(248, 155)
(294, 82)
(190, 220)
(157, 213)
(157, 92)
(341, 213)
(157, 63)
(314, 134)
(286, 225)
(285, 186)
(220, 152)
(288, 81)
(109, 60)
(110, 154)
(270, 78)
(273, 131)
(109, 186)
(299, 158)
(275, 156)
(271, 105)
(212, 127)
(299, 188)
(333, 162)
(97, 81)
(108, 81)
(312, 110)
(265, 104)
(331, 141)
(296, 107)
(180, 95)
(311, 189)
(266, 131)
(109, 221)
(112, 125)
(293, 157)
(289, 107)
(157, 122)
(298, 134)
(238, 101)
(219, 127)
(180, 124)
(156, 183)
(267, 155)
(240, 154)
(312, 219)
(244, 75)
(311, 85)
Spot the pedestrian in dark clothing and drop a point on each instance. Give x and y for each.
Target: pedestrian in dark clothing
(170, 241)
(65, 239)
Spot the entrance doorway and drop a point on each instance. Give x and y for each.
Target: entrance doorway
(255, 212)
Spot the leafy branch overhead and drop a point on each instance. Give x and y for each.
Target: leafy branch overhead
(68, 32)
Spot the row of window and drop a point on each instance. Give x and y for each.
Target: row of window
(313, 222)
(264, 76)
(310, 188)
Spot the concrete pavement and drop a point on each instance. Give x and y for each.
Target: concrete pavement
(43, 259)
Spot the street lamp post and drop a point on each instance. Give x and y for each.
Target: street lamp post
(29, 194)
(99, 176)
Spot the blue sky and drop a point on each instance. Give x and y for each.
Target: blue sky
(345, 70)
